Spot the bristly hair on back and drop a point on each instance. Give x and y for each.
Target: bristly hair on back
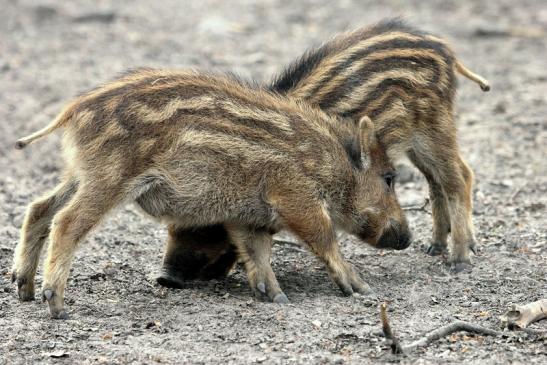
(134, 71)
(297, 70)
(245, 82)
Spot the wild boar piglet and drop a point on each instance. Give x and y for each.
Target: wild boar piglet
(195, 149)
(404, 79)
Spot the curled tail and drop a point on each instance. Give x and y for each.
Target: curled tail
(58, 122)
(485, 86)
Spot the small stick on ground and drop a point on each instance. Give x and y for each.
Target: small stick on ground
(516, 192)
(420, 208)
(457, 326)
(388, 333)
(432, 336)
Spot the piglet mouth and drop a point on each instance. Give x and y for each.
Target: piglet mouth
(368, 236)
(393, 238)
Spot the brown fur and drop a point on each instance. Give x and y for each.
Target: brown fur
(405, 80)
(195, 150)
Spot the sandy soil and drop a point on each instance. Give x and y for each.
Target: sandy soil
(51, 50)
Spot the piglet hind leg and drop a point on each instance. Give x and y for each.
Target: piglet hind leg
(254, 247)
(439, 205)
(450, 179)
(451, 184)
(36, 228)
(70, 225)
(460, 204)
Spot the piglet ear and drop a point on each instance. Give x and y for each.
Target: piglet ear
(366, 131)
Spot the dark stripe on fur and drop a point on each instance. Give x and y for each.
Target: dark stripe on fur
(384, 46)
(381, 89)
(382, 65)
(303, 66)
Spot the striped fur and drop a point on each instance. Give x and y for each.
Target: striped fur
(405, 81)
(196, 150)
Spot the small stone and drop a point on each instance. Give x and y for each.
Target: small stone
(499, 108)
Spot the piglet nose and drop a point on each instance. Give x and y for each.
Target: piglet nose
(396, 237)
(403, 241)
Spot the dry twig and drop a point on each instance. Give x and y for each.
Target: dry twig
(388, 333)
(456, 326)
(420, 208)
(432, 336)
(516, 192)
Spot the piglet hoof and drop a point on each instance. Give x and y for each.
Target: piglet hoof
(350, 282)
(25, 288)
(281, 298)
(460, 261)
(25, 292)
(168, 280)
(357, 284)
(346, 288)
(55, 302)
(436, 249)
(362, 289)
(61, 314)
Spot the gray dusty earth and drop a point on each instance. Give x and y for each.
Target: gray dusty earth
(51, 50)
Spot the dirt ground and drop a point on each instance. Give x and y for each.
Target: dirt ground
(51, 50)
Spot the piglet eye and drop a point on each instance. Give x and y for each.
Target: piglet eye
(389, 179)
